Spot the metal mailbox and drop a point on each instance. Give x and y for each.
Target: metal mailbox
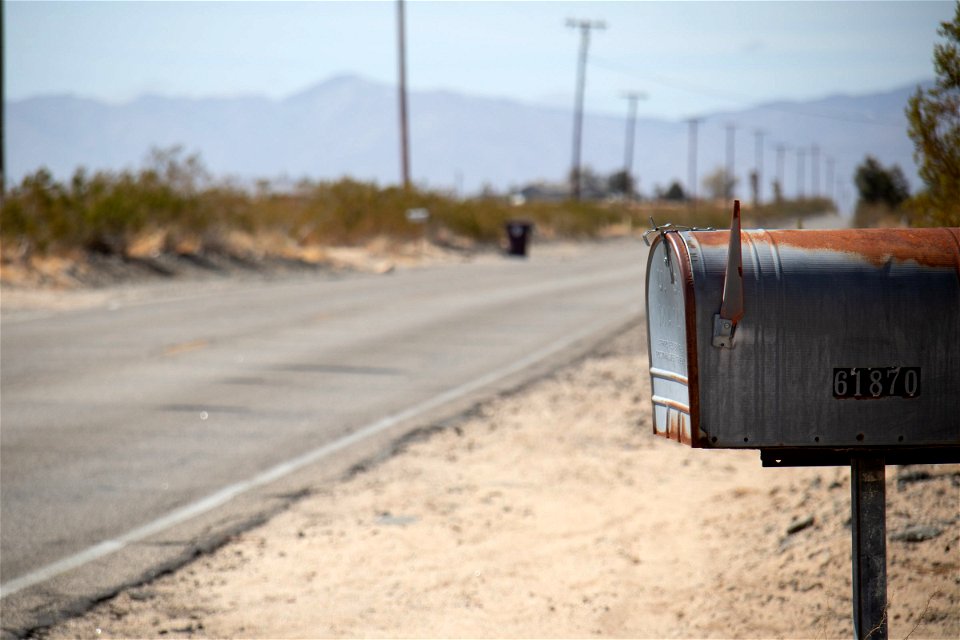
(818, 348)
(805, 340)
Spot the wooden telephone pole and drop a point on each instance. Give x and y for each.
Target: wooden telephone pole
(404, 136)
(585, 26)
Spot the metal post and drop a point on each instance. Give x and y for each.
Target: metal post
(868, 525)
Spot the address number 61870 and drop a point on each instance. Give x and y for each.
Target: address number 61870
(876, 382)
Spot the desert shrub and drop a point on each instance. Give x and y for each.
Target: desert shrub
(105, 211)
(348, 211)
(97, 213)
(35, 211)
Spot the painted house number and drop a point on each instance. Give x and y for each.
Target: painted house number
(876, 382)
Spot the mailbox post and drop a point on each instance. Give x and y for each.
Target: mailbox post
(837, 347)
(868, 526)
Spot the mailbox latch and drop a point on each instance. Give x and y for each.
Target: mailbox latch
(731, 307)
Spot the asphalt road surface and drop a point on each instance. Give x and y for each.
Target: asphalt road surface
(133, 433)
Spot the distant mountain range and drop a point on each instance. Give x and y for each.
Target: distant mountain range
(348, 126)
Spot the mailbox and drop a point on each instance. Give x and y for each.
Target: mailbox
(818, 348)
(806, 340)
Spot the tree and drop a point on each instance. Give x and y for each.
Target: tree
(592, 185)
(777, 191)
(621, 182)
(879, 185)
(882, 191)
(934, 127)
(185, 174)
(674, 193)
(719, 184)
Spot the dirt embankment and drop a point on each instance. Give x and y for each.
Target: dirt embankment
(48, 284)
(239, 255)
(552, 512)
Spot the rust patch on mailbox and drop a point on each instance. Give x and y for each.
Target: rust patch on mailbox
(678, 427)
(683, 435)
(938, 247)
(927, 247)
(673, 425)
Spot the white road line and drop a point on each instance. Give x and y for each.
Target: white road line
(283, 469)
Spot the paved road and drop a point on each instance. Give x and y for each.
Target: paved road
(119, 424)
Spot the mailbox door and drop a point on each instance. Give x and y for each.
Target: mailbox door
(671, 340)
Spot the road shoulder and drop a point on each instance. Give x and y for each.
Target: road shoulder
(552, 511)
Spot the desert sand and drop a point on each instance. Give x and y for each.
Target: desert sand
(552, 511)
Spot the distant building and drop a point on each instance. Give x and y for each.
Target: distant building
(540, 192)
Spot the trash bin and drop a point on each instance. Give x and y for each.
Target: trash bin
(518, 233)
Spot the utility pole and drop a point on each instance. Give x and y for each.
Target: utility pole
(404, 135)
(692, 162)
(781, 159)
(815, 170)
(632, 99)
(3, 97)
(758, 134)
(801, 159)
(830, 186)
(585, 26)
(731, 140)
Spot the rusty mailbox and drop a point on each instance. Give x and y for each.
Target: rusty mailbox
(818, 348)
(799, 342)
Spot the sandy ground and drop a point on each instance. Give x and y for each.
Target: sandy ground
(553, 512)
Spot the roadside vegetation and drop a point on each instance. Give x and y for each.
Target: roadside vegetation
(883, 194)
(174, 202)
(933, 117)
(173, 196)
(934, 126)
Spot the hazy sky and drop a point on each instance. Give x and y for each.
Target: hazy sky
(689, 57)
